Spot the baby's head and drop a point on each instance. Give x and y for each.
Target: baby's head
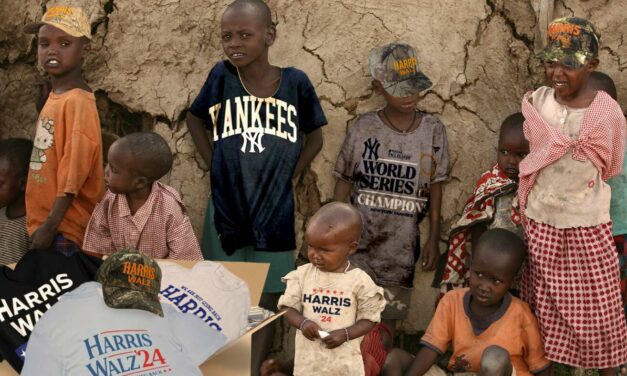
(247, 31)
(513, 146)
(396, 75)
(332, 235)
(14, 161)
(496, 259)
(136, 161)
(601, 81)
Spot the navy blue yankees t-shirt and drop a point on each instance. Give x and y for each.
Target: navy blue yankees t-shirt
(257, 142)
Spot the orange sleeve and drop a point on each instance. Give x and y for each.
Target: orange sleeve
(440, 331)
(81, 146)
(532, 340)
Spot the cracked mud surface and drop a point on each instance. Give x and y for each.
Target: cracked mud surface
(149, 60)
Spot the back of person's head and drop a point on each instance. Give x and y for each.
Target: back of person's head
(151, 154)
(17, 151)
(259, 7)
(501, 245)
(601, 81)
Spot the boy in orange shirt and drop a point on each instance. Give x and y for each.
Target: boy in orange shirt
(491, 332)
(65, 179)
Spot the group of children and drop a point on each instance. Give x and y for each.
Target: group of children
(257, 126)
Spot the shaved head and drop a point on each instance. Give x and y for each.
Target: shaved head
(337, 219)
(258, 7)
(502, 247)
(513, 124)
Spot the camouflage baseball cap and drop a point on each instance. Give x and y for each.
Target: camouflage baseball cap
(571, 41)
(71, 20)
(131, 280)
(396, 67)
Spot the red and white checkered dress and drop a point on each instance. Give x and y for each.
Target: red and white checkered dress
(571, 277)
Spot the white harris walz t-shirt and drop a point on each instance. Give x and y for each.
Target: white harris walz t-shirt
(209, 292)
(333, 301)
(81, 335)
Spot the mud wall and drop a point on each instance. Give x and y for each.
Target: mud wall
(150, 58)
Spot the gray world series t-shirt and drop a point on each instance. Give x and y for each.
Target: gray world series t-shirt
(391, 174)
(81, 335)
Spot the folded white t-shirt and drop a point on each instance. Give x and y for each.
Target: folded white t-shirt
(210, 292)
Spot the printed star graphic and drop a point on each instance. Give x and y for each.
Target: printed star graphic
(334, 292)
(314, 291)
(23, 354)
(327, 291)
(341, 292)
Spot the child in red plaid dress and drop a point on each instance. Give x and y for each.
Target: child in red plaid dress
(577, 141)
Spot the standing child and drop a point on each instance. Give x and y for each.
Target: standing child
(264, 126)
(392, 165)
(14, 159)
(66, 177)
(577, 141)
(492, 205)
(138, 212)
(330, 301)
(618, 203)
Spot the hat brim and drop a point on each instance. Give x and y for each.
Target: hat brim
(567, 58)
(124, 298)
(417, 83)
(33, 28)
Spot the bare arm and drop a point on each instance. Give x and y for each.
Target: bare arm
(342, 190)
(313, 145)
(199, 135)
(430, 256)
(298, 321)
(424, 360)
(44, 235)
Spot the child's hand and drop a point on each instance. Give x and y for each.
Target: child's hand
(310, 330)
(43, 237)
(335, 338)
(430, 254)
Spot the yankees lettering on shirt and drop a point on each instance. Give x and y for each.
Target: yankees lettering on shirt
(243, 115)
(11, 309)
(325, 304)
(116, 352)
(187, 300)
(389, 184)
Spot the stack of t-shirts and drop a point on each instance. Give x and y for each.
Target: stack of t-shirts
(81, 335)
(37, 282)
(210, 292)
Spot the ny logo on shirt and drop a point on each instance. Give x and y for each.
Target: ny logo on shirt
(372, 148)
(252, 135)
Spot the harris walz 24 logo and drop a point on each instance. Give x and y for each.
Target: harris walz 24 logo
(124, 352)
(253, 118)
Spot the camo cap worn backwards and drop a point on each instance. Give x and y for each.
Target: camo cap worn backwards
(396, 67)
(571, 41)
(131, 280)
(71, 20)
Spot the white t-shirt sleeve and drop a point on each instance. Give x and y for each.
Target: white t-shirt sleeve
(198, 341)
(42, 357)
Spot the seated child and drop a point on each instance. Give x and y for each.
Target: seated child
(331, 295)
(618, 203)
(491, 332)
(492, 205)
(137, 211)
(14, 160)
